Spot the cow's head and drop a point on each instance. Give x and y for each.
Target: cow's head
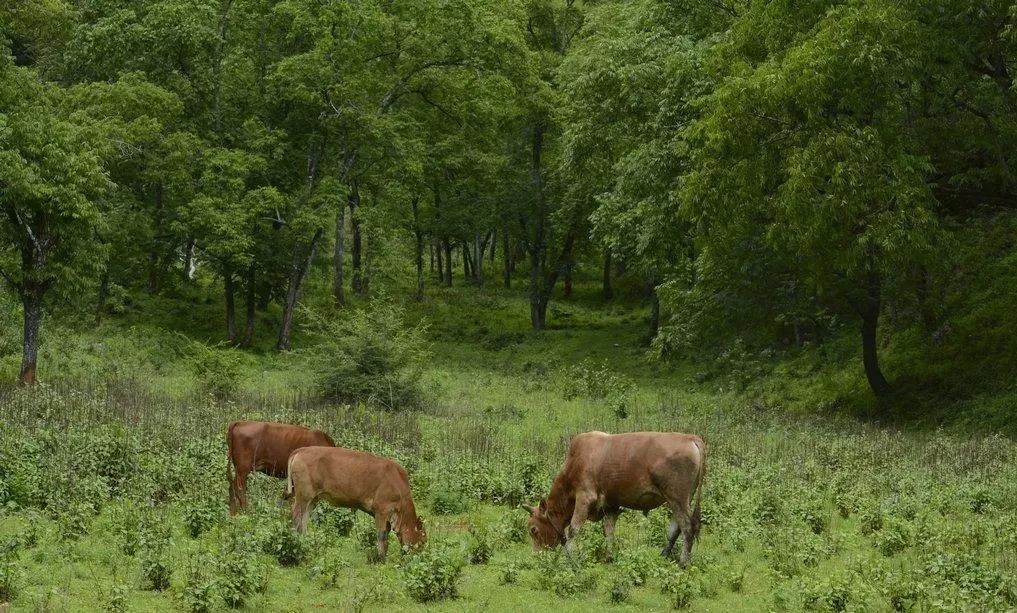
(543, 532)
(413, 533)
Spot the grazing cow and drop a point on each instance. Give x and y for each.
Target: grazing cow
(355, 480)
(604, 473)
(263, 446)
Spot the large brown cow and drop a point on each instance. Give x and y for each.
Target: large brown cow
(604, 473)
(263, 446)
(355, 480)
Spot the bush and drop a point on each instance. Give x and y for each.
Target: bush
(116, 601)
(198, 594)
(621, 588)
(198, 518)
(330, 568)
(335, 519)
(564, 573)
(509, 573)
(218, 368)
(152, 545)
(370, 356)
(285, 545)
(434, 574)
(449, 501)
(480, 548)
(682, 588)
(10, 573)
(240, 574)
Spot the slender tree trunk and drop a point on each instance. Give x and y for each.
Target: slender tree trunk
(441, 264)
(654, 312)
(608, 290)
(568, 279)
(506, 252)
(189, 260)
(418, 235)
(870, 321)
(356, 282)
(153, 250)
(538, 302)
(31, 301)
(230, 291)
(430, 256)
(339, 255)
(447, 244)
(467, 263)
(298, 271)
(478, 261)
(250, 304)
(100, 306)
(494, 246)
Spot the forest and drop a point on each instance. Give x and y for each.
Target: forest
(457, 233)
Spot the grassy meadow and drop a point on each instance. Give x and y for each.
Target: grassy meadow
(113, 485)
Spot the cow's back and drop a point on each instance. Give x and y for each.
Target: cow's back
(634, 461)
(347, 477)
(266, 446)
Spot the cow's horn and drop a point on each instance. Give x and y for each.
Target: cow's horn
(527, 508)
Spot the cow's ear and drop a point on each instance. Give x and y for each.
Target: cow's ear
(543, 506)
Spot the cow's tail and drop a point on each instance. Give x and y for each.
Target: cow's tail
(230, 469)
(700, 477)
(289, 476)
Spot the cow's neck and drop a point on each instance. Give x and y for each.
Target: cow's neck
(561, 502)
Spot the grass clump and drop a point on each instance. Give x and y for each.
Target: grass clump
(434, 574)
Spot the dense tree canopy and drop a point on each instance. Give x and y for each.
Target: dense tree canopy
(766, 171)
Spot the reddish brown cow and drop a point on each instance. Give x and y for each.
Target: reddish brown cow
(263, 446)
(604, 473)
(355, 480)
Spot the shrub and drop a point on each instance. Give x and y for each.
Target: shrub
(449, 501)
(240, 574)
(152, 545)
(218, 368)
(330, 568)
(480, 548)
(509, 573)
(434, 574)
(871, 518)
(116, 600)
(10, 573)
(621, 588)
(893, 538)
(370, 356)
(565, 573)
(511, 527)
(682, 588)
(335, 519)
(735, 580)
(198, 593)
(285, 545)
(72, 523)
(198, 518)
(639, 564)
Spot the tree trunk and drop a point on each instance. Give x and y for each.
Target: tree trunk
(506, 252)
(339, 255)
(870, 321)
(31, 301)
(100, 306)
(231, 333)
(356, 282)
(441, 265)
(419, 237)
(298, 271)
(447, 244)
(654, 314)
(467, 262)
(153, 250)
(478, 261)
(568, 279)
(189, 266)
(250, 303)
(494, 246)
(608, 290)
(430, 256)
(538, 302)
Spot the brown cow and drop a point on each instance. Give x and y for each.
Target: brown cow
(604, 473)
(263, 446)
(355, 480)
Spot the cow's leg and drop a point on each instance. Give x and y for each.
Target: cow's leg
(681, 522)
(672, 535)
(584, 502)
(300, 512)
(238, 489)
(610, 517)
(383, 526)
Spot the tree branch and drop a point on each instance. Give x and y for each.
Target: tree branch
(423, 96)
